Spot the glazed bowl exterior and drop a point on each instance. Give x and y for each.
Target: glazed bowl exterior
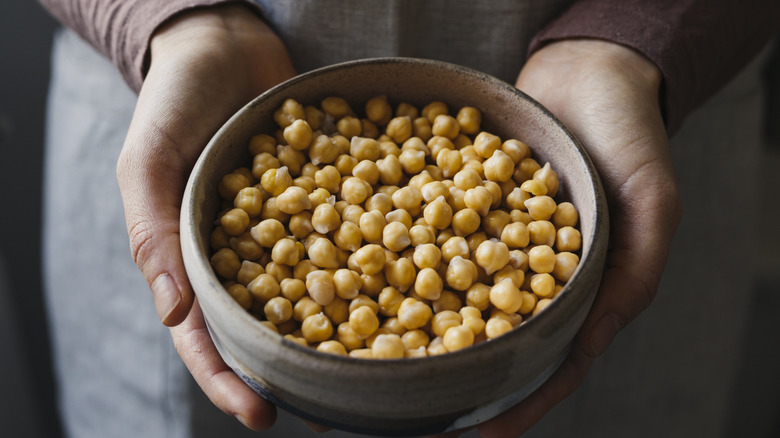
(405, 396)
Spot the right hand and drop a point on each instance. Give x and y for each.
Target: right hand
(205, 65)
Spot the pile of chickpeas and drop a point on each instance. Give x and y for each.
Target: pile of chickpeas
(407, 232)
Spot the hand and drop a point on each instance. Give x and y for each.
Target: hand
(608, 96)
(205, 65)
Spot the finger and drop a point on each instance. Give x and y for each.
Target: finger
(223, 387)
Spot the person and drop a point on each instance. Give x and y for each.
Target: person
(622, 75)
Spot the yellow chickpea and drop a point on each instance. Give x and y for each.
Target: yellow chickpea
(499, 167)
(261, 143)
(292, 288)
(515, 149)
(285, 252)
(323, 253)
(395, 236)
(520, 216)
(248, 271)
(494, 222)
(276, 181)
(263, 288)
(565, 215)
(461, 273)
(469, 119)
(293, 200)
(466, 222)
(387, 346)
(407, 198)
(515, 235)
(541, 259)
(486, 143)
(219, 238)
(436, 347)
(351, 213)
(246, 247)
(226, 263)
(534, 187)
(278, 310)
(378, 110)
(444, 320)
(458, 338)
(478, 296)
(371, 224)
(413, 314)
(428, 284)
(507, 272)
(371, 259)
(525, 170)
(448, 300)
(316, 328)
(325, 218)
(516, 199)
(363, 321)
(412, 160)
(543, 285)
(399, 128)
(347, 337)
(390, 170)
(231, 184)
(565, 264)
(268, 232)
(355, 191)
(492, 256)
(345, 163)
(298, 134)
(300, 224)
(348, 237)
(505, 295)
(478, 199)
(427, 255)
(249, 199)
(332, 347)
(549, 177)
(541, 232)
(321, 287)
(496, 327)
(350, 126)
(414, 339)
(234, 222)
(438, 213)
(568, 239)
(541, 208)
(421, 234)
(446, 126)
(240, 294)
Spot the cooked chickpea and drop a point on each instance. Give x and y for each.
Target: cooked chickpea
(349, 127)
(248, 271)
(351, 213)
(412, 161)
(325, 218)
(320, 286)
(516, 275)
(241, 295)
(492, 256)
(568, 239)
(332, 347)
(506, 296)
(235, 221)
(263, 288)
(371, 224)
(268, 232)
(549, 177)
(543, 285)
(278, 310)
(454, 246)
(345, 163)
(323, 253)
(316, 328)
(445, 125)
(496, 327)
(466, 222)
(249, 199)
(378, 110)
(478, 296)
(499, 167)
(448, 300)
(494, 222)
(348, 237)
(246, 247)
(292, 288)
(478, 199)
(293, 200)
(354, 190)
(486, 143)
(525, 170)
(469, 119)
(387, 346)
(261, 143)
(276, 181)
(395, 236)
(461, 273)
(231, 184)
(515, 235)
(565, 215)
(400, 216)
(363, 321)
(516, 199)
(347, 337)
(541, 259)
(399, 128)
(541, 232)
(457, 338)
(371, 259)
(565, 264)
(428, 284)
(389, 170)
(541, 208)
(298, 134)
(300, 224)
(413, 313)
(427, 255)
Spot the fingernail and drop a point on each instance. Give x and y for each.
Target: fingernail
(603, 333)
(241, 419)
(166, 296)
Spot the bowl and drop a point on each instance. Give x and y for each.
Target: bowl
(404, 396)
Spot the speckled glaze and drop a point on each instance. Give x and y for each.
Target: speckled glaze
(411, 396)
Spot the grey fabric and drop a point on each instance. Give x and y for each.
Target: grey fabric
(119, 375)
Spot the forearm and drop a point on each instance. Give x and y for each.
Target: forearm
(122, 29)
(698, 45)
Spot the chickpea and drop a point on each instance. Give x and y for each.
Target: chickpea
(466, 221)
(478, 296)
(355, 191)
(445, 126)
(325, 218)
(271, 211)
(492, 256)
(467, 179)
(231, 184)
(352, 213)
(336, 107)
(323, 253)
(263, 288)
(219, 238)
(568, 239)
(293, 200)
(361, 353)
(349, 127)
(328, 178)
(469, 119)
(414, 339)
(300, 224)
(549, 177)
(363, 321)
(454, 246)
(348, 237)
(495, 221)
(246, 247)
(421, 127)
(516, 199)
(371, 224)
(444, 320)
(430, 191)
(421, 234)
(428, 284)
(413, 314)
(461, 273)
(499, 167)
(565, 215)
(371, 259)
(321, 288)
(268, 232)
(412, 161)
(407, 198)
(541, 208)
(378, 110)
(316, 328)
(434, 109)
(427, 255)
(345, 163)
(347, 337)
(472, 318)
(399, 128)
(565, 264)
(525, 170)
(298, 134)
(276, 181)
(249, 199)
(515, 149)
(387, 346)
(517, 276)
(496, 327)
(486, 143)
(389, 170)
(395, 236)
(448, 300)
(292, 288)
(478, 199)
(406, 109)
(368, 171)
(332, 347)
(458, 338)
(261, 143)
(241, 295)
(436, 347)
(248, 271)
(543, 285)
(388, 147)
(541, 232)
(234, 222)
(515, 235)
(278, 310)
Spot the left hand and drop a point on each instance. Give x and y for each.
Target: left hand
(608, 96)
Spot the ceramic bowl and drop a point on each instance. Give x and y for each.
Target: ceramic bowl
(405, 396)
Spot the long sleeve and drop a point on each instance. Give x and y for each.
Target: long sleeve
(122, 29)
(697, 44)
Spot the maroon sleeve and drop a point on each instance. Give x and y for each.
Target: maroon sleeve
(122, 29)
(697, 44)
